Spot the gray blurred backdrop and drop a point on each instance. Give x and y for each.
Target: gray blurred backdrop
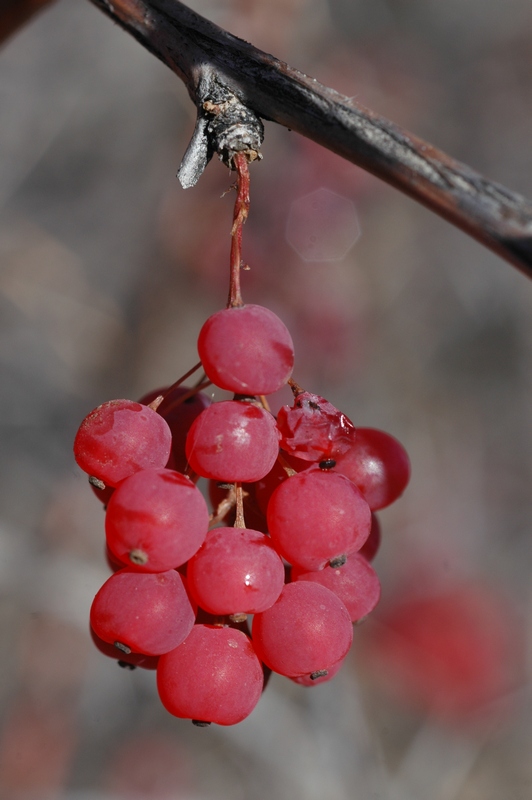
(107, 270)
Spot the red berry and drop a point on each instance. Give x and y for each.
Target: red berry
(246, 350)
(121, 437)
(144, 612)
(213, 676)
(456, 654)
(378, 464)
(156, 520)
(235, 571)
(306, 631)
(313, 429)
(233, 441)
(317, 516)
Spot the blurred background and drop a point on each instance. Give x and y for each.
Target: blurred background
(107, 271)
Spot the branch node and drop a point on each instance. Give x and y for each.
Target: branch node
(225, 126)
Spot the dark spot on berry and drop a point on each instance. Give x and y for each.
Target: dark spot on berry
(321, 673)
(339, 561)
(97, 483)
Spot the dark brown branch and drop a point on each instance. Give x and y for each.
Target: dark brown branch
(201, 53)
(15, 13)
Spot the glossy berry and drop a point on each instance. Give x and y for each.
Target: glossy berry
(316, 516)
(307, 630)
(144, 612)
(378, 464)
(233, 441)
(121, 437)
(313, 429)
(246, 350)
(235, 571)
(156, 520)
(213, 676)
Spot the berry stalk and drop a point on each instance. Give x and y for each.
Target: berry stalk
(241, 211)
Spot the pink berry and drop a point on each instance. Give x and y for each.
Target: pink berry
(121, 437)
(213, 676)
(233, 441)
(378, 464)
(456, 653)
(317, 516)
(246, 350)
(313, 429)
(143, 612)
(156, 520)
(235, 571)
(306, 631)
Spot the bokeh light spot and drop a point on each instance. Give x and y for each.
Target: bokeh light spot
(322, 226)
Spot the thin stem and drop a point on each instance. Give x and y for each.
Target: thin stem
(223, 509)
(286, 466)
(264, 403)
(239, 519)
(189, 472)
(296, 388)
(200, 381)
(239, 217)
(159, 401)
(154, 405)
(187, 395)
(183, 378)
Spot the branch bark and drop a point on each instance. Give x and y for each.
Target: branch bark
(201, 53)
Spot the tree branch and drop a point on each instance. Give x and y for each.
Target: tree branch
(202, 54)
(15, 13)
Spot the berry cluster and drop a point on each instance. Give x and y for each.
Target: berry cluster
(183, 587)
(186, 581)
